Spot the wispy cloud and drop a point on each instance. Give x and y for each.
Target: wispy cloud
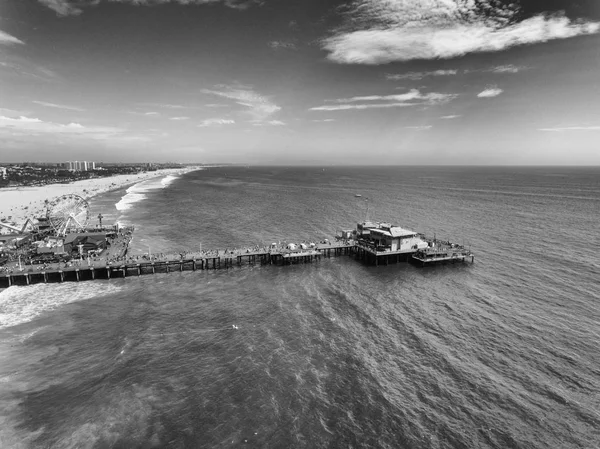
(179, 118)
(416, 76)
(282, 45)
(167, 106)
(258, 106)
(9, 112)
(450, 117)
(506, 69)
(490, 92)
(572, 128)
(325, 120)
(412, 98)
(419, 128)
(216, 122)
(17, 66)
(146, 114)
(33, 126)
(58, 106)
(270, 123)
(380, 32)
(75, 7)
(420, 75)
(6, 38)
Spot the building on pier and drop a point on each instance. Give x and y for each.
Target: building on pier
(384, 237)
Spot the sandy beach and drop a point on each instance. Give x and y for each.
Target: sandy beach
(19, 203)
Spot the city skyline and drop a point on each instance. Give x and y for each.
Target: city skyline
(301, 82)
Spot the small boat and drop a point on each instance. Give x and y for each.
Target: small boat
(358, 195)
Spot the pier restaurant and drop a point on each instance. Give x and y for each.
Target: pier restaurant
(386, 237)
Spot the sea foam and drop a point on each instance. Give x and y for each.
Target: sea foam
(137, 192)
(20, 305)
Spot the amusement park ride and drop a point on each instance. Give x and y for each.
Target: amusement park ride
(61, 234)
(67, 213)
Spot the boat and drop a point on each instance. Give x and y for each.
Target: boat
(358, 195)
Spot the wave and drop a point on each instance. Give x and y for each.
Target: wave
(167, 180)
(20, 305)
(137, 192)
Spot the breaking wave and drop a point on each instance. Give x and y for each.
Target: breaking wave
(137, 192)
(20, 305)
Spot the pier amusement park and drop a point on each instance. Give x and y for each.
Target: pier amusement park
(64, 245)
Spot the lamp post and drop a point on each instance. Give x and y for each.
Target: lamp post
(100, 217)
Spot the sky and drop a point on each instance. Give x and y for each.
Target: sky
(361, 82)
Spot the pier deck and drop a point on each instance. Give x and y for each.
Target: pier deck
(102, 268)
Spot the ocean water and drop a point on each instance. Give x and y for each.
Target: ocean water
(504, 353)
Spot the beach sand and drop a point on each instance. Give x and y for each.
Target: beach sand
(19, 203)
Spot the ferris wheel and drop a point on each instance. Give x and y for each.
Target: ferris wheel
(68, 213)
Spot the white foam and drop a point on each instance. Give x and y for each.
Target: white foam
(20, 305)
(137, 192)
(168, 180)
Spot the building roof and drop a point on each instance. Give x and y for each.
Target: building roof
(397, 231)
(394, 231)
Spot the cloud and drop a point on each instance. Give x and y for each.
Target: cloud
(282, 45)
(490, 92)
(167, 106)
(412, 98)
(572, 128)
(74, 7)
(33, 126)
(13, 65)
(419, 128)
(325, 120)
(58, 106)
(216, 122)
(259, 106)
(420, 75)
(450, 117)
(270, 123)
(6, 38)
(146, 114)
(179, 118)
(380, 32)
(506, 69)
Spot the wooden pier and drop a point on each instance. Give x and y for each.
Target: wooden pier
(85, 271)
(211, 260)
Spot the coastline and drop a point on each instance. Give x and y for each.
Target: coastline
(21, 203)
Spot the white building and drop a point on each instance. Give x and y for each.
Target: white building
(3, 172)
(81, 165)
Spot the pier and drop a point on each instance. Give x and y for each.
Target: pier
(62, 247)
(87, 270)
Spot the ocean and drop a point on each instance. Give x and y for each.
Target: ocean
(503, 353)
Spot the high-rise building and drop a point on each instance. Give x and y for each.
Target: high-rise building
(80, 165)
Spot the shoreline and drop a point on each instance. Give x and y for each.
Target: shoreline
(20, 203)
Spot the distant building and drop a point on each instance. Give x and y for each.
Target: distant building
(80, 165)
(3, 172)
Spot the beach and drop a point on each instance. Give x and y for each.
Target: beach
(19, 203)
